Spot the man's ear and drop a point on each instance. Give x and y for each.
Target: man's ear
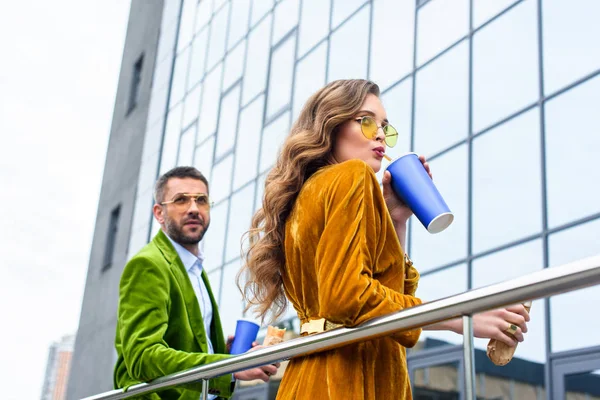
(158, 212)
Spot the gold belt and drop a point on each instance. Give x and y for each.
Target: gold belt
(318, 326)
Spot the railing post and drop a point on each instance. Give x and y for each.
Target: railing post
(204, 389)
(469, 358)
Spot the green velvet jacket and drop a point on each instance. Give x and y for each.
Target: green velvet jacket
(159, 325)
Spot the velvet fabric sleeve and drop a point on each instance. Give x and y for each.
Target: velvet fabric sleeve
(348, 253)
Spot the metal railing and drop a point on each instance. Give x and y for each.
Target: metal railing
(544, 283)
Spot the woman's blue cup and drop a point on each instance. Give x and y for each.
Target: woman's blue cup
(245, 334)
(413, 185)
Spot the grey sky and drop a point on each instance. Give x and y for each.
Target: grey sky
(58, 78)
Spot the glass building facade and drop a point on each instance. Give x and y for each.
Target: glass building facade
(502, 96)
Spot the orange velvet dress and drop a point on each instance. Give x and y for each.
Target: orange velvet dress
(344, 263)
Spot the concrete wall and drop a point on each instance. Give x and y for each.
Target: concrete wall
(94, 355)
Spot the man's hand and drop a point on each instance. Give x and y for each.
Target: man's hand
(263, 373)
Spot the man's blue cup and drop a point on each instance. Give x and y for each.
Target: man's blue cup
(245, 334)
(413, 185)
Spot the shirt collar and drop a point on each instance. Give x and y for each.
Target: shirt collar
(188, 259)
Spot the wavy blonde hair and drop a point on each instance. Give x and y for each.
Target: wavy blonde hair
(308, 147)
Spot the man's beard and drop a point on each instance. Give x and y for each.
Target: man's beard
(175, 231)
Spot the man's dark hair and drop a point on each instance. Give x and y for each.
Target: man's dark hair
(177, 172)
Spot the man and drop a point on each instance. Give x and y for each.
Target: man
(168, 319)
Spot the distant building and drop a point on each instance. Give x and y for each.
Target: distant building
(57, 369)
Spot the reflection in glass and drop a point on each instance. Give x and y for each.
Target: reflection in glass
(203, 158)
(168, 155)
(286, 18)
(198, 58)
(204, 13)
(440, 23)
(436, 286)
(209, 110)
(507, 202)
(221, 176)
(186, 146)
(240, 215)
(484, 10)
(349, 47)
(218, 31)
(234, 65)
(442, 102)
(255, 75)
(571, 324)
(509, 264)
(570, 32)
(572, 145)
(259, 9)
(240, 10)
(248, 140)
(191, 106)
(228, 122)
(179, 77)
(281, 76)
(231, 307)
(273, 137)
(214, 239)
(450, 177)
(437, 382)
(505, 65)
(342, 9)
(314, 24)
(582, 385)
(186, 24)
(310, 77)
(391, 54)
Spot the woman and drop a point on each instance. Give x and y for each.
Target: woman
(332, 242)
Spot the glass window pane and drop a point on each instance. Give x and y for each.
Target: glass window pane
(214, 239)
(240, 11)
(281, 76)
(203, 158)
(218, 31)
(440, 23)
(350, 40)
(240, 215)
(228, 121)
(442, 102)
(204, 13)
(393, 31)
(510, 264)
(570, 37)
(162, 74)
(484, 10)
(157, 107)
(572, 146)
(310, 77)
(286, 18)
(191, 106)
(179, 77)
(166, 41)
(255, 75)
(445, 283)
(273, 137)
(186, 26)
(260, 191)
(234, 65)
(505, 66)
(214, 277)
(168, 156)
(231, 307)
(507, 202)
(186, 146)
(221, 176)
(398, 106)
(147, 176)
(342, 9)
(571, 325)
(314, 24)
(441, 381)
(209, 110)
(259, 9)
(198, 58)
(246, 154)
(450, 177)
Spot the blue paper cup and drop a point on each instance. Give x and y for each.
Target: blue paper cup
(245, 334)
(413, 185)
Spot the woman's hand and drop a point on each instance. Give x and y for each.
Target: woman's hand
(399, 211)
(494, 324)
